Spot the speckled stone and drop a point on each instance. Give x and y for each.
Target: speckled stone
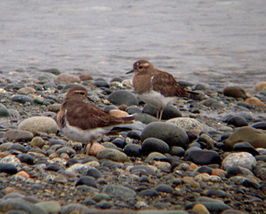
(39, 124)
(242, 159)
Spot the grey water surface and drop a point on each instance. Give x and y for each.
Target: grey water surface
(219, 42)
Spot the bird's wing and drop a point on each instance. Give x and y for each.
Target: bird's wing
(87, 116)
(166, 84)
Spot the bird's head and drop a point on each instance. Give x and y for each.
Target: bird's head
(141, 66)
(78, 92)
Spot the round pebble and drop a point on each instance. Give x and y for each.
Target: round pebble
(39, 124)
(169, 133)
(242, 159)
(154, 145)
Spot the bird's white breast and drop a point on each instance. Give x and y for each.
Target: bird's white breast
(156, 99)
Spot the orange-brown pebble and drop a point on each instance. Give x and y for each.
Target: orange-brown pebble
(190, 180)
(9, 190)
(218, 172)
(255, 102)
(23, 174)
(94, 149)
(260, 86)
(201, 209)
(85, 77)
(193, 166)
(118, 113)
(66, 79)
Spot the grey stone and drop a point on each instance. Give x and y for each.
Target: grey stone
(119, 192)
(171, 134)
(120, 97)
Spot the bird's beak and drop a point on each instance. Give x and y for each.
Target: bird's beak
(129, 72)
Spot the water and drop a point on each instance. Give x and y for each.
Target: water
(219, 42)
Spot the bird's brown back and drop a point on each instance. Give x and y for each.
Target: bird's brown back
(166, 84)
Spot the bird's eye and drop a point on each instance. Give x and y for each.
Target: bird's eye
(80, 93)
(140, 67)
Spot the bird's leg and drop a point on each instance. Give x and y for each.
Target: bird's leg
(157, 113)
(87, 150)
(161, 114)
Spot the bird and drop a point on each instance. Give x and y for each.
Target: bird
(82, 121)
(155, 87)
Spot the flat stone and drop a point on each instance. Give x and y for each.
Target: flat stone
(75, 208)
(50, 206)
(256, 137)
(142, 170)
(112, 154)
(19, 204)
(119, 192)
(22, 99)
(18, 135)
(202, 157)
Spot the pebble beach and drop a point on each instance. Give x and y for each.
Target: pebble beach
(207, 155)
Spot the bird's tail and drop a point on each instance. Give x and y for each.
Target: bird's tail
(128, 119)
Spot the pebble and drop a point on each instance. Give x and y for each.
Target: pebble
(245, 147)
(190, 124)
(237, 121)
(169, 133)
(154, 145)
(164, 188)
(200, 208)
(213, 104)
(256, 137)
(50, 206)
(75, 208)
(120, 97)
(39, 124)
(93, 172)
(260, 86)
(254, 101)
(86, 180)
(242, 159)
(119, 192)
(8, 168)
(259, 125)
(145, 118)
(202, 157)
(4, 111)
(18, 135)
(112, 154)
(133, 150)
(17, 204)
(66, 79)
(154, 156)
(235, 91)
(22, 99)
(168, 112)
